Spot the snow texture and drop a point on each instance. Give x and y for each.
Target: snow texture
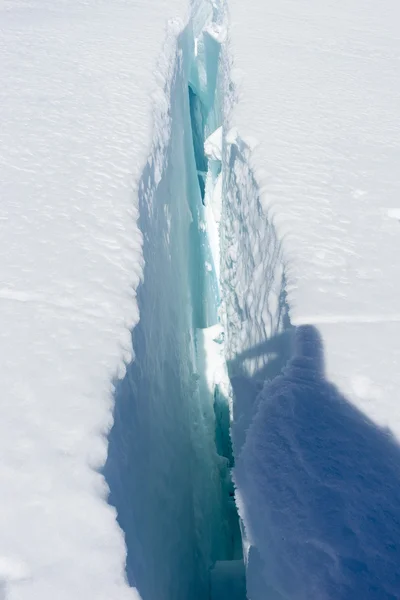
(78, 84)
(310, 237)
(267, 198)
(319, 487)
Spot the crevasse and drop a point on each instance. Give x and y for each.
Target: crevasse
(170, 455)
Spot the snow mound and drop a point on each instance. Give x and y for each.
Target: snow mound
(319, 488)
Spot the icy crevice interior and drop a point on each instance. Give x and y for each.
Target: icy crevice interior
(170, 455)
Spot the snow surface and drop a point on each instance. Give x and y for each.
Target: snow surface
(319, 488)
(78, 82)
(115, 437)
(270, 187)
(311, 236)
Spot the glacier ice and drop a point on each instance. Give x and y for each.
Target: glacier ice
(169, 459)
(76, 121)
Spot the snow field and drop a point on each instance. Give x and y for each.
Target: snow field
(310, 205)
(267, 239)
(75, 133)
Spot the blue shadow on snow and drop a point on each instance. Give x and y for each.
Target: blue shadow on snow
(320, 485)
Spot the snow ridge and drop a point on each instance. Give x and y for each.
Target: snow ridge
(316, 466)
(319, 487)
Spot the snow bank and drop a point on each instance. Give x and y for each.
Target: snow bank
(319, 489)
(76, 120)
(311, 237)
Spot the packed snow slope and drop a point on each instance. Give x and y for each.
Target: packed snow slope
(312, 237)
(77, 81)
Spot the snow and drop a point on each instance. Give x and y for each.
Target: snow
(311, 237)
(328, 137)
(237, 191)
(76, 130)
(319, 487)
(213, 145)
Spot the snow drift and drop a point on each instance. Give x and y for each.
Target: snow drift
(319, 487)
(310, 238)
(265, 194)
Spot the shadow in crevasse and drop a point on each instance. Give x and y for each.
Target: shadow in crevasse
(271, 356)
(320, 486)
(162, 469)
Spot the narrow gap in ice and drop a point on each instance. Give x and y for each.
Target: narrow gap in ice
(170, 457)
(197, 121)
(228, 573)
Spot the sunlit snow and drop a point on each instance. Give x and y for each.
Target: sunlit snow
(199, 226)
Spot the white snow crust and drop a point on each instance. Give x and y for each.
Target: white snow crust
(311, 237)
(319, 93)
(167, 472)
(264, 169)
(78, 83)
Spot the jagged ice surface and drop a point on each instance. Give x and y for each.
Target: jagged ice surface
(165, 475)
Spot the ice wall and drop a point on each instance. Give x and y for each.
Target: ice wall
(255, 314)
(255, 311)
(166, 478)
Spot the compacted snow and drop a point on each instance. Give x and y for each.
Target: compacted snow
(116, 456)
(312, 238)
(77, 80)
(199, 228)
